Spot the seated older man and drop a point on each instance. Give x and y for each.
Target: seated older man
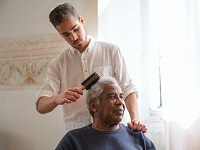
(106, 105)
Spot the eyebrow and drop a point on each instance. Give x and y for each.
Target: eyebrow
(113, 93)
(110, 93)
(64, 33)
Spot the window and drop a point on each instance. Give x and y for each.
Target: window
(159, 40)
(124, 23)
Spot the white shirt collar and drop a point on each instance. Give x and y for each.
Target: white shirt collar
(88, 49)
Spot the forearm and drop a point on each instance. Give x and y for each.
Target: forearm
(46, 104)
(132, 106)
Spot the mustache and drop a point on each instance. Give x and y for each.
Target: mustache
(121, 108)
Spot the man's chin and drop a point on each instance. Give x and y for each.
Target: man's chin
(119, 119)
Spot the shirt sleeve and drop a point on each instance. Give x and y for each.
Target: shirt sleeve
(51, 83)
(121, 73)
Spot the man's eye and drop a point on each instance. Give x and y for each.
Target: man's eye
(76, 29)
(121, 96)
(111, 97)
(66, 35)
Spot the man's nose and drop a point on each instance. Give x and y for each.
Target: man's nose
(73, 36)
(119, 100)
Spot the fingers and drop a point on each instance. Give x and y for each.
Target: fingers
(72, 94)
(144, 129)
(76, 90)
(136, 125)
(68, 96)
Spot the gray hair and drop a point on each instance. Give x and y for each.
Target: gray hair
(97, 89)
(61, 12)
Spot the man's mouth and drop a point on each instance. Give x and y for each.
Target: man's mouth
(76, 42)
(120, 111)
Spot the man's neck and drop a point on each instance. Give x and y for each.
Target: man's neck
(87, 42)
(105, 127)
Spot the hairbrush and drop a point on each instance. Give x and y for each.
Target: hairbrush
(91, 80)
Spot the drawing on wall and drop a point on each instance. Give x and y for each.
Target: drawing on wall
(23, 72)
(24, 61)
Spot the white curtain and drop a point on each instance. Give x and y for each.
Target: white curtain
(160, 40)
(178, 40)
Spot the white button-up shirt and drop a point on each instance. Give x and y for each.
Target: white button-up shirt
(70, 68)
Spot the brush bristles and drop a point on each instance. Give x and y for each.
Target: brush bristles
(91, 80)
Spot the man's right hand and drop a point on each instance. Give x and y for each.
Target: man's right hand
(47, 104)
(68, 96)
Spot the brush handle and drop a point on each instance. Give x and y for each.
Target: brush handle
(82, 88)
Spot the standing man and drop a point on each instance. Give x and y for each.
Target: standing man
(83, 56)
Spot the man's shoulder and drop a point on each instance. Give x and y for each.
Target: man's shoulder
(104, 46)
(60, 56)
(124, 127)
(106, 43)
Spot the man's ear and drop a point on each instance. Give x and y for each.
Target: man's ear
(81, 20)
(93, 106)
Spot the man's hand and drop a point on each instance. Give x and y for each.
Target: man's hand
(68, 96)
(47, 104)
(136, 125)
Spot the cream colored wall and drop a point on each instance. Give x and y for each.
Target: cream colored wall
(21, 127)
(91, 16)
(21, 18)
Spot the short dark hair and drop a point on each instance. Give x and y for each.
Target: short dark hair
(61, 12)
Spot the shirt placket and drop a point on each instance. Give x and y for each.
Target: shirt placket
(84, 64)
